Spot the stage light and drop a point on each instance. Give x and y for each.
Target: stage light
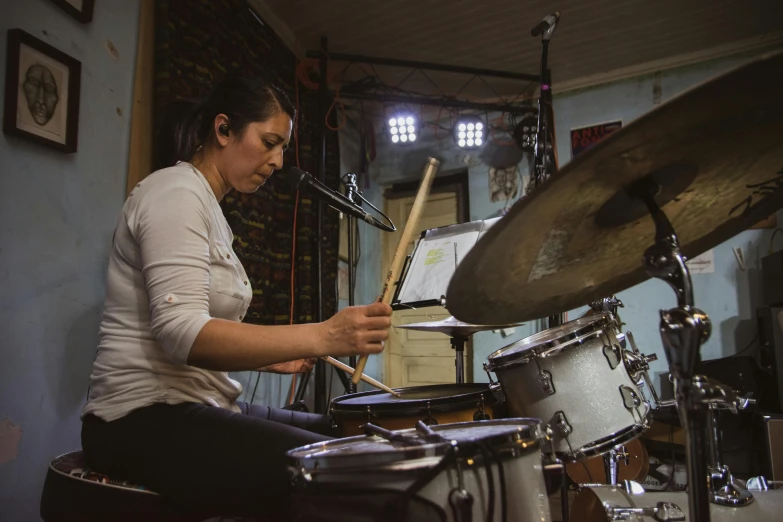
(469, 132)
(403, 128)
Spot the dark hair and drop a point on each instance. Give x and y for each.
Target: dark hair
(186, 125)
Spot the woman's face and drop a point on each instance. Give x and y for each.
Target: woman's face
(250, 158)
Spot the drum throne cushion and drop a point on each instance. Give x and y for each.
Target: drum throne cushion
(72, 492)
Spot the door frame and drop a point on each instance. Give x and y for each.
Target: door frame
(456, 181)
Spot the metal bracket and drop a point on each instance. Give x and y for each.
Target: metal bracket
(559, 423)
(631, 399)
(663, 512)
(494, 387)
(545, 380)
(612, 354)
(430, 420)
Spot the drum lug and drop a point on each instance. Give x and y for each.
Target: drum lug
(631, 399)
(480, 414)
(430, 420)
(612, 354)
(494, 387)
(559, 423)
(545, 380)
(497, 391)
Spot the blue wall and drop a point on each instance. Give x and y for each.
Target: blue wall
(729, 295)
(57, 215)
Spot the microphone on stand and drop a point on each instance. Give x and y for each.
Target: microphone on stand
(298, 179)
(546, 24)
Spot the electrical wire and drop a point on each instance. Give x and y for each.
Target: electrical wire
(747, 347)
(772, 239)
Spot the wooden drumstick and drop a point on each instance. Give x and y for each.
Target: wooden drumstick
(411, 227)
(366, 378)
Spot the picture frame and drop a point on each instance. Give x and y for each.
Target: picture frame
(42, 91)
(79, 9)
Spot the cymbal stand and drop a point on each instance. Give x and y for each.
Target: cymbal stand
(458, 343)
(683, 330)
(723, 489)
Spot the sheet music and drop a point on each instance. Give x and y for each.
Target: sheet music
(436, 258)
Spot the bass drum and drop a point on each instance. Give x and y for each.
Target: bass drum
(437, 404)
(606, 503)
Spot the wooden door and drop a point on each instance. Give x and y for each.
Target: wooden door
(414, 358)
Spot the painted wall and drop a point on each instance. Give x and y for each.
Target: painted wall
(57, 215)
(729, 295)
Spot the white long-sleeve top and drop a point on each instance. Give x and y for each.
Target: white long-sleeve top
(171, 270)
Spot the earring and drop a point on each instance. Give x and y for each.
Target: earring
(223, 129)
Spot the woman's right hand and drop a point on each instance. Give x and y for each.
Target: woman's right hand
(357, 330)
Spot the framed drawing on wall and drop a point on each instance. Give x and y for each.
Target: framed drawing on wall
(41, 92)
(79, 9)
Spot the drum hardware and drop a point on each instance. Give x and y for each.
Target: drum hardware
(613, 356)
(630, 398)
(559, 422)
(458, 344)
(494, 387)
(612, 459)
(480, 414)
(723, 488)
(683, 330)
(663, 512)
(762, 484)
(430, 420)
(545, 380)
(460, 500)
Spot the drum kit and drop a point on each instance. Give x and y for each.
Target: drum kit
(681, 179)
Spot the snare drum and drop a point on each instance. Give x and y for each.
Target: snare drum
(437, 404)
(602, 503)
(366, 477)
(574, 378)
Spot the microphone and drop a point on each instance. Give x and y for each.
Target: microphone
(298, 179)
(547, 23)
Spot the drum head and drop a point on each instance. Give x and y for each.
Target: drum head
(439, 397)
(367, 452)
(564, 336)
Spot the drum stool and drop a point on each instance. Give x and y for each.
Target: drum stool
(74, 493)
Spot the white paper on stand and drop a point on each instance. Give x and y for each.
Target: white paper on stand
(436, 257)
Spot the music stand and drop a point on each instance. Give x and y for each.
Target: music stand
(426, 275)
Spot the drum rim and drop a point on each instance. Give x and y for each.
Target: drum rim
(604, 444)
(584, 328)
(523, 441)
(415, 406)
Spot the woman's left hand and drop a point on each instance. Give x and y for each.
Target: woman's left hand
(298, 366)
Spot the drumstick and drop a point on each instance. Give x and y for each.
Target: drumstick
(366, 378)
(411, 227)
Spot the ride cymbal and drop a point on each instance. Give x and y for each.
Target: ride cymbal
(714, 158)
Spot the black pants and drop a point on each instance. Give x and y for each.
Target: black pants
(205, 459)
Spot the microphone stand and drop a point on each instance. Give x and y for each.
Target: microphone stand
(350, 189)
(543, 166)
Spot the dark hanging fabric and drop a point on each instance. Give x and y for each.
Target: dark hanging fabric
(197, 44)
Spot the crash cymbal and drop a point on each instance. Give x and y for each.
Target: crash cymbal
(715, 156)
(453, 327)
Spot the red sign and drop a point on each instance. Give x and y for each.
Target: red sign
(584, 138)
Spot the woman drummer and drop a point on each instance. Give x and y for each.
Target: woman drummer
(161, 409)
